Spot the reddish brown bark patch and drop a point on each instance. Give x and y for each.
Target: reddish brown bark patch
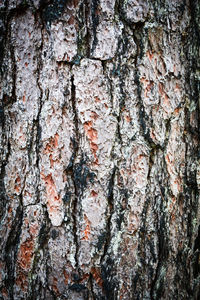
(92, 136)
(96, 274)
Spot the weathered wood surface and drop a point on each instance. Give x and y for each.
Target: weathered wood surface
(99, 149)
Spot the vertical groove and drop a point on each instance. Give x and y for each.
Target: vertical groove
(75, 153)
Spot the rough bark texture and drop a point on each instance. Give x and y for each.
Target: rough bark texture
(99, 149)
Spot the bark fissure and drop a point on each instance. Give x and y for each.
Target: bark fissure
(158, 281)
(3, 194)
(11, 250)
(111, 211)
(73, 166)
(36, 123)
(95, 22)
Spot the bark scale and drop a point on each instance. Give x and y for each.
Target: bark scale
(100, 170)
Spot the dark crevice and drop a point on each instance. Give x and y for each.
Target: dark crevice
(9, 99)
(196, 260)
(84, 35)
(95, 22)
(182, 273)
(110, 284)
(111, 210)
(119, 71)
(71, 168)
(91, 286)
(82, 175)
(191, 138)
(11, 249)
(143, 118)
(107, 264)
(77, 287)
(195, 14)
(14, 98)
(2, 119)
(12, 242)
(119, 136)
(36, 122)
(3, 36)
(88, 34)
(52, 10)
(121, 207)
(3, 194)
(73, 101)
(4, 140)
(157, 286)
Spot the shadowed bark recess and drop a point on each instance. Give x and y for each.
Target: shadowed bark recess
(99, 149)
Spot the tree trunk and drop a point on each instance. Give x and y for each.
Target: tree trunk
(99, 149)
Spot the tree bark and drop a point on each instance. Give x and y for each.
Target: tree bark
(100, 171)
